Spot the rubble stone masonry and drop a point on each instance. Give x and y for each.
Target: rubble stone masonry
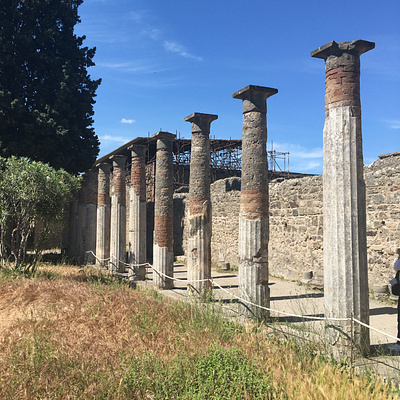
(296, 222)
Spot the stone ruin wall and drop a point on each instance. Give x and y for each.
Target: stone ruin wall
(296, 222)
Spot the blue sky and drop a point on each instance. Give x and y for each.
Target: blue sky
(162, 60)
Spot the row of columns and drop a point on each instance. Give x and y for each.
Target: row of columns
(345, 263)
(111, 215)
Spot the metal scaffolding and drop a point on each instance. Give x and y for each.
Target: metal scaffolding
(226, 159)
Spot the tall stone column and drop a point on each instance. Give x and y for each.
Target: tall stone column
(73, 228)
(81, 222)
(344, 203)
(137, 213)
(103, 214)
(91, 216)
(163, 252)
(199, 221)
(254, 201)
(118, 215)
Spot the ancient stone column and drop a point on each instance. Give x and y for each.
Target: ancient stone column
(254, 206)
(344, 203)
(199, 216)
(118, 215)
(91, 216)
(73, 228)
(81, 222)
(137, 214)
(163, 254)
(103, 215)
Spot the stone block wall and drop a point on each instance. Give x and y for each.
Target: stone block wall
(382, 180)
(225, 198)
(296, 227)
(296, 222)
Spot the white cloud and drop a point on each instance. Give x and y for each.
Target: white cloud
(300, 158)
(113, 65)
(174, 47)
(305, 166)
(298, 151)
(153, 33)
(311, 165)
(127, 121)
(129, 66)
(394, 124)
(137, 15)
(114, 139)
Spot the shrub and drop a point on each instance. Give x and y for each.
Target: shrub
(30, 191)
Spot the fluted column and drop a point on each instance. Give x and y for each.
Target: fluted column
(344, 203)
(199, 216)
(103, 215)
(254, 202)
(81, 222)
(73, 228)
(118, 215)
(163, 252)
(91, 216)
(137, 214)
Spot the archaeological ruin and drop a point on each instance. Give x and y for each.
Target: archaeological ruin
(217, 203)
(344, 206)
(199, 210)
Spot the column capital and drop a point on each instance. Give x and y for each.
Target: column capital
(254, 97)
(137, 150)
(164, 135)
(201, 122)
(164, 139)
(333, 48)
(105, 167)
(118, 160)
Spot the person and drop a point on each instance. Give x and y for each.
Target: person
(396, 346)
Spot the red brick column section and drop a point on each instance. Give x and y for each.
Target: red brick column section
(163, 254)
(199, 218)
(137, 214)
(254, 213)
(103, 214)
(118, 215)
(344, 202)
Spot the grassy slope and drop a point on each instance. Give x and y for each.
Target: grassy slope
(70, 333)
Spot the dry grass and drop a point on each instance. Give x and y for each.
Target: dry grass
(83, 335)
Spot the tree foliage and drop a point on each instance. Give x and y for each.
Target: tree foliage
(30, 192)
(46, 93)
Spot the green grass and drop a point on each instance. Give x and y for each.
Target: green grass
(78, 334)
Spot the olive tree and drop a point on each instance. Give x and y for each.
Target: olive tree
(30, 192)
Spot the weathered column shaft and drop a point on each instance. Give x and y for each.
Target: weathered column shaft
(103, 215)
(91, 216)
(163, 255)
(199, 216)
(344, 203)
(137, 214)
(73, 228)
(254, 212)
(81, 224)
(118, 215)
